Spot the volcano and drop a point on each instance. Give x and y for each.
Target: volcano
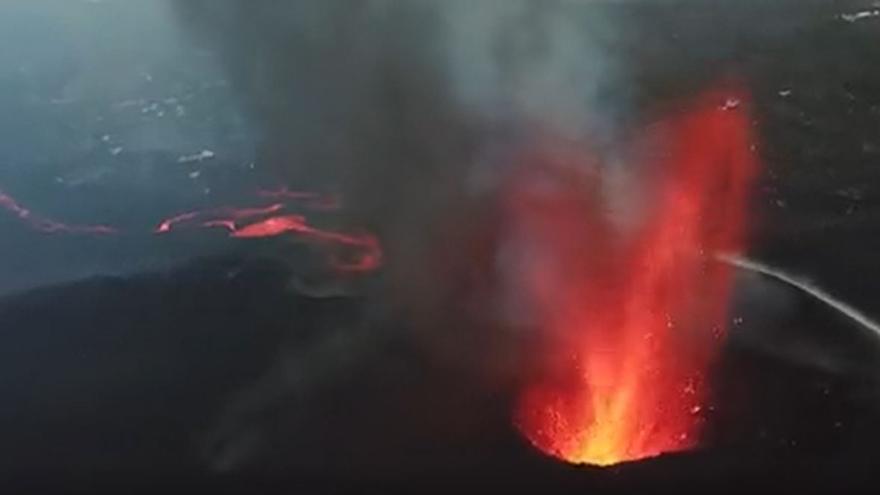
(451, 245)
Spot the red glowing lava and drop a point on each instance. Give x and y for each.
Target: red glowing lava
(630, 319)
(348, 252)
(48, 225)
(220, 217)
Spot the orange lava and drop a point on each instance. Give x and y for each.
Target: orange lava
(48, 225)
(630, 318)
(348, 252)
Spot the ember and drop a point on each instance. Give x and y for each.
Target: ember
(630, 321)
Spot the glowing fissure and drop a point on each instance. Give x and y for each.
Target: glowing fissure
(348, 252)
(630, 321)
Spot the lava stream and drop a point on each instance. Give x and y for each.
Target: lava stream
(348, 252)
(630, 321)
(48, 225)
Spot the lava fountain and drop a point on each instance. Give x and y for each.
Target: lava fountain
(630, 318)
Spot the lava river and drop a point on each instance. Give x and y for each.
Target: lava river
(347, 252)
(630, 316)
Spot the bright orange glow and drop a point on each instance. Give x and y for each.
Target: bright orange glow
(630, 318)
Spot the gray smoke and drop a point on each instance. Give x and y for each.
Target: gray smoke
(394, 102)
(410, 109)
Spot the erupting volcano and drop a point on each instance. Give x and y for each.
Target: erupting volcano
(630, 318)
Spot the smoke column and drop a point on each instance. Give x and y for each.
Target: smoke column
(411, 111)
(420, 114)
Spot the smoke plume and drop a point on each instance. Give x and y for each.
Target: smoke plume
(415, 111)
(411, 111)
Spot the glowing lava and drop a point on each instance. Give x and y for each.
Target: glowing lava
(348, 252)
(48, 225)
(220, 217)
(630, 318)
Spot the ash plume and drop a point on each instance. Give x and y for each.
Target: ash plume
(410, 111)
(397, 103)
(414, 110)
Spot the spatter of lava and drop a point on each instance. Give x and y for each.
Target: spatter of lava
(349, 252)
(630, 319)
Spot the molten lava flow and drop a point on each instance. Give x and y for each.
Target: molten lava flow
(221, 217)
(630, 319)
(48, 225)
(367, 257)
(348, 252)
